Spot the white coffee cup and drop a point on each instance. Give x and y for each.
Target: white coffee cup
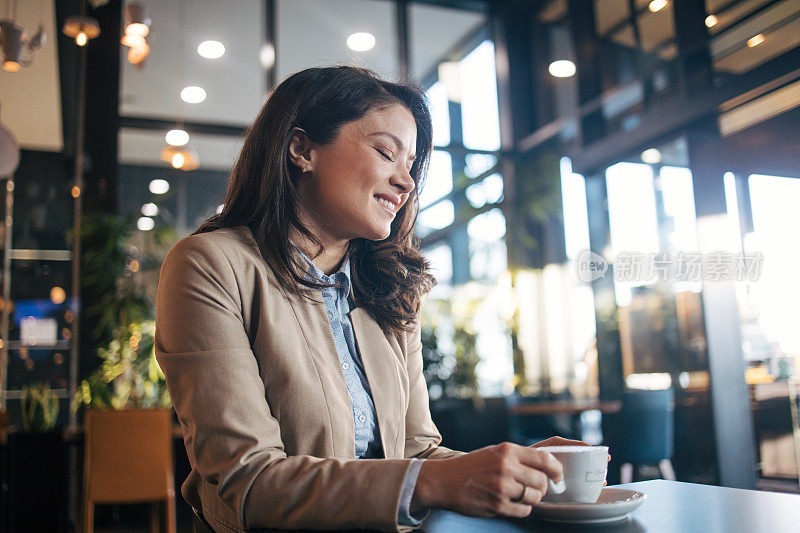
(585, 469)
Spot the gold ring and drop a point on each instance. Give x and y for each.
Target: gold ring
(521, 496)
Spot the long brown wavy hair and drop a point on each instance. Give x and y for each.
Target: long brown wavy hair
(389, 277)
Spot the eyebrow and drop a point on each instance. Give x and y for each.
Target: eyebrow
(394, 138)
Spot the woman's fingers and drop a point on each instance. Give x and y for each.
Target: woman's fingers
(532, 478)
(517, 510)
(532, 496)
(560, 441)
(542, 461)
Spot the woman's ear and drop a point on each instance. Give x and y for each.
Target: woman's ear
(300, 150)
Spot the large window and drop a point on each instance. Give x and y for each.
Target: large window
(774, 294)
(460, 221)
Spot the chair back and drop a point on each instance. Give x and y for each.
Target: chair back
(646, 426)
(530, 429)
(128, 455)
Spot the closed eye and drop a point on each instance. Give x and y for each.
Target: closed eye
(384, 155)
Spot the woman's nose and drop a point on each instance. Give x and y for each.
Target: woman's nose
(403, 180)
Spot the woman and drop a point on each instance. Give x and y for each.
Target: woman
(288, 328)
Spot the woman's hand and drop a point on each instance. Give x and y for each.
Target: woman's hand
(488, 482)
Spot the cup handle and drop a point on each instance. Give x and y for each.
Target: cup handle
(556, 488)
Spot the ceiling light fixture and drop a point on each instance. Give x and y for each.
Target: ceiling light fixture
(211, 49)
(177, 137)
(267, 56)
(657, 5)
(159, 186)
(361, 41)
(149, 210)
(193, 94)
(137, 54)
(711, 21)
(137, 27)
(563, 68)
(755, 40)
(81, 29)
(180, 157)
(145, 223)
(651, 156)
(15, 43)
(136, 21)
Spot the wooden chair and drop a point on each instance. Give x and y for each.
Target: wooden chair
(128, 459)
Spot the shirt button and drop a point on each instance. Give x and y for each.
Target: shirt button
(345, 366)
(362, 418)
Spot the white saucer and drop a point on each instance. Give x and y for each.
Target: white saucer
(613, 505)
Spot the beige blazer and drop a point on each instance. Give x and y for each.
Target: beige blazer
(256, 383)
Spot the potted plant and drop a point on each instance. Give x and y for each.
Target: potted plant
(118, 266)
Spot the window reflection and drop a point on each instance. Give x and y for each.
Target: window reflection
(440, 114)
(479, 110)
(439, 180)
(774, 202)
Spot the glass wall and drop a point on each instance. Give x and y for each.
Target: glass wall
(766, 293)
(460, 220)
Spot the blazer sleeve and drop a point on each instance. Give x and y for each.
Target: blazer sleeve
(232, 440)
(422, 437)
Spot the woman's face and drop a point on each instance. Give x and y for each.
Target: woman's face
(358, 182)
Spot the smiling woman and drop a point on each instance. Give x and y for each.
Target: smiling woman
(288, 327)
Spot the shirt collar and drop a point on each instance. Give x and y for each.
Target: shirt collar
(342, 275)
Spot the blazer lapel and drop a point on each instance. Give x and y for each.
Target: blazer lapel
(382, 375)
(313, 320)
(379, 365)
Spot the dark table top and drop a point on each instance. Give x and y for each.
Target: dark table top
(671, 507)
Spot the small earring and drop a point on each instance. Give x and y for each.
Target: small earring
(305, 169)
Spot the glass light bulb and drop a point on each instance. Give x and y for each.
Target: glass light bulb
(178, 160)
(80, 39)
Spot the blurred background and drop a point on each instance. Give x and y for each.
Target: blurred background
(610, 211)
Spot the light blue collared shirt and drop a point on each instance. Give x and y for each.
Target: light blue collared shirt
(367, 432)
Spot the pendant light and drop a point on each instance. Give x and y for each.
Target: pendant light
(15, 44)
(180, 154)
(81, 29)
(137, 27)
(180, 157)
